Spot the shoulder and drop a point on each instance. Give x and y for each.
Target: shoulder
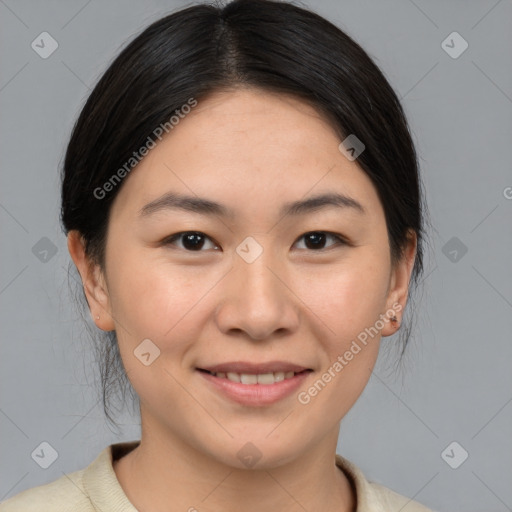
(62, 495)
(391, 500)
(374, 497)
(77, 491)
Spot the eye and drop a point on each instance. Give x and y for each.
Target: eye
(192, 240)
(316, 239)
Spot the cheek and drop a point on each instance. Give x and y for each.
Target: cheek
(345, 298)
(346, 301)
(153, 298)
(162, 304)
(345, 305)
(159, 300)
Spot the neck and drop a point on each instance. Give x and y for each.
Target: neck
(162, 471)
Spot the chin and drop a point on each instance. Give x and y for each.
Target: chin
(255, 452)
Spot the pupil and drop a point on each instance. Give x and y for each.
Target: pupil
(192, 239)
(315, 237)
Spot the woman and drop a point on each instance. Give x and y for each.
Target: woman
(242, 200)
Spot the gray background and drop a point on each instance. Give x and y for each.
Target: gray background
(456, 384)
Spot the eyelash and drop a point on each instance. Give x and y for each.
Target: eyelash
(340, 240)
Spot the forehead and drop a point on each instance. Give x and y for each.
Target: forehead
(247, 147)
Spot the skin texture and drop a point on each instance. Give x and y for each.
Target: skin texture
(251, 151)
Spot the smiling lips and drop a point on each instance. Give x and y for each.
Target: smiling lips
(255, 384)
(255, 369)
(249, 373)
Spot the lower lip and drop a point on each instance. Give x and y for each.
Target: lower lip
(256, 394)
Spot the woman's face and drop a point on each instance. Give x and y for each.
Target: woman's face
(252, 287)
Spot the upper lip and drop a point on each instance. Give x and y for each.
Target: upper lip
(251, 368)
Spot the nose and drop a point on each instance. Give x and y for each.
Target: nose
(257, 299)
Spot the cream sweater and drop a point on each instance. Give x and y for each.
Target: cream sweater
(96, 489)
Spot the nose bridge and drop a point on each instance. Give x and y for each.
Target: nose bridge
(257, 300)
(256, 265)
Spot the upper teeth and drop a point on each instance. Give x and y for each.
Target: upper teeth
(262, 378)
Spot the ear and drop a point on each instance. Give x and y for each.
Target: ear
(93, 282)
(399, 285)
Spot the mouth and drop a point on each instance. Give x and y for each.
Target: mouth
(255, 385)
(250, 379)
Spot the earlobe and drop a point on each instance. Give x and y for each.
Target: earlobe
(399, 287)
(93, 281)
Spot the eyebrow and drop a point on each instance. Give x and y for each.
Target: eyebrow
(203, 206)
